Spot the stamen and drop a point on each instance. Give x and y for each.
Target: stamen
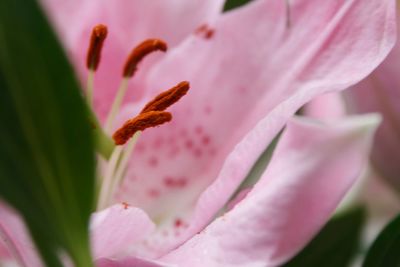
(140, 123)
(140, 52)
(99, 34)
(167, 98)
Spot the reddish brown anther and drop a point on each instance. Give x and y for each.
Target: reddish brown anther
(167, 98)
(141, 51)
(99, 34)
(140, 123)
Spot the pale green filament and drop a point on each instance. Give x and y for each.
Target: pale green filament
(103, 143)
(115, 171)
(120, 171)
(90, 87)
(108, 177)
(117, 103)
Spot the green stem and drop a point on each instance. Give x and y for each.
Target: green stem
(103, 143)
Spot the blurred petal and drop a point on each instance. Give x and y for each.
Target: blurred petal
(117, 229)
(311, 170)
(16, 238)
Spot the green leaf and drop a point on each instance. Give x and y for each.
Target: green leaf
(47, 158)
(336, 244)
(232, 4)
(385, 249)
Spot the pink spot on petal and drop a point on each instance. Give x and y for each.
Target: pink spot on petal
(153, 193)
(189, 144)
(178, 223)
(242, 90)
(158, 143)
(208, 110)
(140, 147)
(205, 140)
(172, 182)
(153, 161)
(198, 129)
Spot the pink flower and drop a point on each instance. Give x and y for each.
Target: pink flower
(249, 73)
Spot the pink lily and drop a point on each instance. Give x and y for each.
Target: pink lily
(248, 77)
(275, 220)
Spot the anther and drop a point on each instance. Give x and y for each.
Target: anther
(139, 52)
(140, 123)
(167, 98)
(99, 34)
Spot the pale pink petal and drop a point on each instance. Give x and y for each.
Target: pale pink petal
(117, 229)
(380, 92)
(16, 238)
(326, 107)
(129, 22)
(130, 262)
(314, 165)
(4, 254)
(252, 68)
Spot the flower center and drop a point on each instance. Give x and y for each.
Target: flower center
(153, 114)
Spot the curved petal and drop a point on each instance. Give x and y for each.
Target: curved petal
(251, 68)
(129, 262)
(284, 210)
(117, 229)
(17, 239)
(129, 22)
(380, 93)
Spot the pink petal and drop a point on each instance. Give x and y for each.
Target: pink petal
(16, 237)
(253, 68)
(129, 22)
(117, 229)
(326, 107)
(380, 93)
(314, 165)
(129, 262)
